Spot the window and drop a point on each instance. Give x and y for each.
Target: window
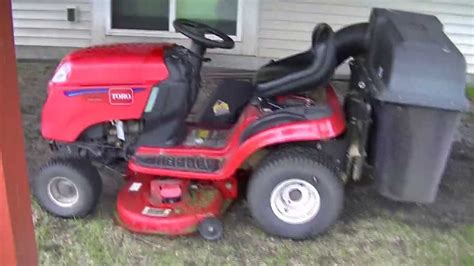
(158, 15)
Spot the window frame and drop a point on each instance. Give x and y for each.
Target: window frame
(171, 33)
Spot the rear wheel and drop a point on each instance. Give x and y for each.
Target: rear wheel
(68, 187)
(295, 193)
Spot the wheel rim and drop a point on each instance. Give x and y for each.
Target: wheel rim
(62, 191)
(295, 201)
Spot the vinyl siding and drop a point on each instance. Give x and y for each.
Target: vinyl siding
(44, 23)
(286, 25)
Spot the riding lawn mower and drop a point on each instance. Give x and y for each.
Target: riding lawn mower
(132, 102)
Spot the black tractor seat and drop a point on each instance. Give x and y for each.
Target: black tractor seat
(300, 72)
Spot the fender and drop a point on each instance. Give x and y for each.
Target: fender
(236, 152)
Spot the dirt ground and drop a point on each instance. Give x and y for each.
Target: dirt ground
(372, 229)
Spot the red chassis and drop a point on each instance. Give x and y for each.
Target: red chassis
(138, 213)
(234, 153)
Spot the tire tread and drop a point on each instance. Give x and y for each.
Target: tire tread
(79, 166)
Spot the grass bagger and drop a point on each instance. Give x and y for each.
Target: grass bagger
(132, 102)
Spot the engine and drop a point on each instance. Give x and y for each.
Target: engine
(105, 142)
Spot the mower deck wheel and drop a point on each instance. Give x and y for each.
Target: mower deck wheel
(211, 229)
(67, 187)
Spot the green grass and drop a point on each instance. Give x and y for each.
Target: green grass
(383, 240)
(470, 92)
(469, 234)
(468, 257)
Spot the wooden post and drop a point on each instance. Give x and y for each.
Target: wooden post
(17, 239)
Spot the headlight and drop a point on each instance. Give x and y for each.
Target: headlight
(62, 74)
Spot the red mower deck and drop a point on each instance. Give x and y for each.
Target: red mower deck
(139, 210)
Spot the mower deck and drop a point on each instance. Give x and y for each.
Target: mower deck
(169, 206)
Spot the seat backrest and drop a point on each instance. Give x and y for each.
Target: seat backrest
(320, 62)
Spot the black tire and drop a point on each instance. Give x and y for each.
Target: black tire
(302, 164)
(79, 172)
(211, 229)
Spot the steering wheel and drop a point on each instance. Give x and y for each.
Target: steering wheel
(197, 32)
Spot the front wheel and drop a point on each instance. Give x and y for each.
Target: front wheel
(295, 193)
(68, 187)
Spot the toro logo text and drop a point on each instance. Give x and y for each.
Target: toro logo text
(121, 96)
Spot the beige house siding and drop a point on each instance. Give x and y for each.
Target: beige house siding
(272, 28)
(286, 25)
(44, 23)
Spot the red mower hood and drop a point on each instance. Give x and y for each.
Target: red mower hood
(117, 64)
